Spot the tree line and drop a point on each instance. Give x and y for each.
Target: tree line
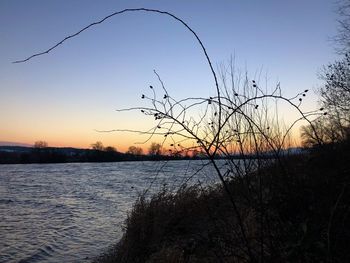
(41, 152)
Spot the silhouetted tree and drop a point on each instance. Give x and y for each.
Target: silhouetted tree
(135, 150)
(335, 94)
(323, 131)
(97, 146)
(110, 149)
(155, 149)
(334, 125)
(40, 144)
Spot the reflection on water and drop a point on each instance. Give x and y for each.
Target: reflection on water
(73, 212)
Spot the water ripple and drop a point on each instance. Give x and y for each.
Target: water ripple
(73, 212)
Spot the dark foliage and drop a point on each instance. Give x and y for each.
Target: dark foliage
(306, 217)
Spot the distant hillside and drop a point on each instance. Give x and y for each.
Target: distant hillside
(7, 143)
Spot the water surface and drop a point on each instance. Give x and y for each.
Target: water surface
(73, 212)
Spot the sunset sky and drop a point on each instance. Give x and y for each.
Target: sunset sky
(65, 96)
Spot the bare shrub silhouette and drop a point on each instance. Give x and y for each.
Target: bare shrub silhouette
(250, 137)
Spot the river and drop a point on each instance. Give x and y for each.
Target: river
(72, 212)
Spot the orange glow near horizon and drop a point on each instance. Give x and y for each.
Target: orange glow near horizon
(70, 133)
(121, 141)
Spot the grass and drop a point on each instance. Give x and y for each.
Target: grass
(303, 216)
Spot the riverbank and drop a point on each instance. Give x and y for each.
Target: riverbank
(30, 155)
(296, 211)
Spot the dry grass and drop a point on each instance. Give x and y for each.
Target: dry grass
(304, 217)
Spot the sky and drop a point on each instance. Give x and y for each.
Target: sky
(65, 96)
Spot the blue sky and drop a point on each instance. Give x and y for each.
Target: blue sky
(64, 96)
